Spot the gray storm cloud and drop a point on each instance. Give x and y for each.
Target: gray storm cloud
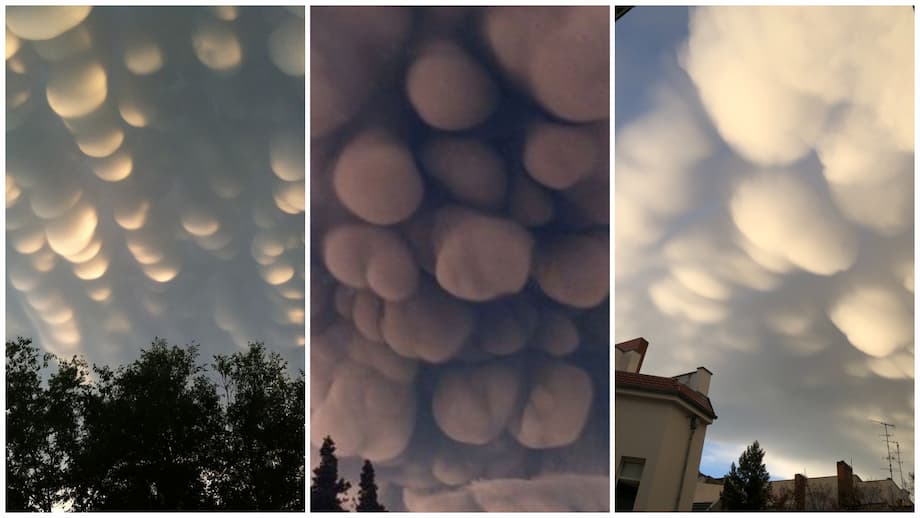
(478, 257)
(376, 179)
(473, 406)
(459, 279)
(448, 89)
(472, 171)
(764, 223)
(366, 384)
(785, 218)
(798, 90)
(551, 493)
(155, 178)
(555, 409)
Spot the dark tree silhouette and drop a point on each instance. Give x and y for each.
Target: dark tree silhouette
(747, 486)
(265, 432)
(42, 426)
(64, 420)
(327, 486)
(155, 434)
(151, 429)
(26, 429)
(367, 491)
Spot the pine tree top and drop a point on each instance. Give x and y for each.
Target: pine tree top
(747, 486)
(327, 486)
(367, 492)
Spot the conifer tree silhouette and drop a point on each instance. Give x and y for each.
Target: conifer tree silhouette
(367, 492)
(747, 486)
(327, 486)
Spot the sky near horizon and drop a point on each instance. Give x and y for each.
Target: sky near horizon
(460, 253)
(155, 179)
(764, 223)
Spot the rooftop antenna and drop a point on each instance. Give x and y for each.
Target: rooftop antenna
(900, 467)
(887, 437)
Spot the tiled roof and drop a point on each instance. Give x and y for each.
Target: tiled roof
(640, 345)
(665, 385)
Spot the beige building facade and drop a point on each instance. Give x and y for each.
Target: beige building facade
(708, 491)
(660, 428)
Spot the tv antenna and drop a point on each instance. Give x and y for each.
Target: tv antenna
(900, 467)
(887, 437)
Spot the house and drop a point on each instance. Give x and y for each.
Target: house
(843, 491)
(708, 491)
(660, 428)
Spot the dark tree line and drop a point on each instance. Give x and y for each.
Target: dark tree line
(327, 490)
(161, 433)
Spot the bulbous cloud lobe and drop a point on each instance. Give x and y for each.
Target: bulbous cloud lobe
(783, 216)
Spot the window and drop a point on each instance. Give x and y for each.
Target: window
(628, 483)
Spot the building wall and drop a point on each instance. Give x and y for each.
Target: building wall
(820, 493)
(658, 430)
(882, 491)
(707, 492)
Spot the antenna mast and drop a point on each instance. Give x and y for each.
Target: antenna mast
(900, 467)
(887, 437)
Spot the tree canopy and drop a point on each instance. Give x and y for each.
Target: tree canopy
(161, 433)
(747, 486)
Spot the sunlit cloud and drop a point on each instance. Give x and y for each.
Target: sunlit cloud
(138, 170)
(764, 218)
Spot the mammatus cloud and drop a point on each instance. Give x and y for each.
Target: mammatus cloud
(874, 319)
(782, 216)
(155, 178)
(764, 221)
(369, 389)
(459, 188)
(798, 90)
(549, 493)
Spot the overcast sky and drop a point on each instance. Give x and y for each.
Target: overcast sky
(460, 253)
(764, 223)
(155, 179)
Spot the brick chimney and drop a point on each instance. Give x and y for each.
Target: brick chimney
(798, 495)
(845, 491)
